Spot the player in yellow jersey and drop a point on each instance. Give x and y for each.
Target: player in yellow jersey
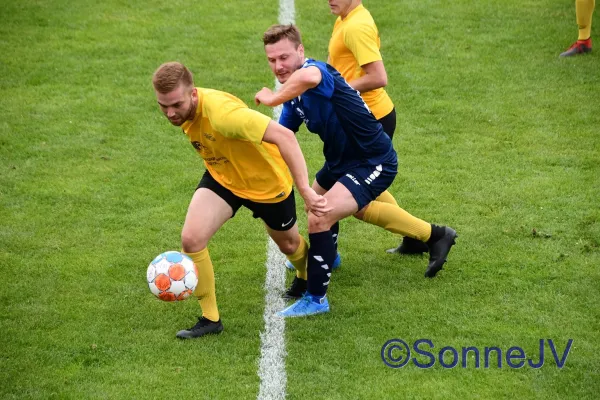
(583, 10)
(354, 52)
(247, 156)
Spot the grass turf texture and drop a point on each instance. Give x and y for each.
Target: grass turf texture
(496, 136)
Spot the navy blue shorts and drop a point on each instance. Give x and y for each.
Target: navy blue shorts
(365, 181)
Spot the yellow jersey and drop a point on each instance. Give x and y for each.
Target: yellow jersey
(228, 136)
(354, 42)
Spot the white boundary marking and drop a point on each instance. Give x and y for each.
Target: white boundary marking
(271, 367)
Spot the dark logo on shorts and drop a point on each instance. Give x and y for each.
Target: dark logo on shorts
(209, 136)
(198, 146)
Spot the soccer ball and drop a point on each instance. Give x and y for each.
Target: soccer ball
(172, 276)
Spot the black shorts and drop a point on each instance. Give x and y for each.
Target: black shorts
(278, 216)
(389, 123)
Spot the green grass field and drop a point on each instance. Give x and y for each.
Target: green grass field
(496, 136)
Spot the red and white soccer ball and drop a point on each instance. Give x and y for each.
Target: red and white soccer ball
(172, 276)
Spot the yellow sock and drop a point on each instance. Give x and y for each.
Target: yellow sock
(396, 220)
(205, 291)
(386, 197)
(584, 10)
(298, 259)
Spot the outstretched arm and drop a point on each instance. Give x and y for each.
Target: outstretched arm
(289, 148)
(299, 82)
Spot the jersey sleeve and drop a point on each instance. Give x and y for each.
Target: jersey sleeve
(326, 86)
(289, 118)
(235, 120)
(363, 42)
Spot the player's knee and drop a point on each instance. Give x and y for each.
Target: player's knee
(287, 241)
(192, 243)
(360, 214)
(288, 246)
(318, 224)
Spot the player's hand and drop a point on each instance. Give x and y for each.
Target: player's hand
(316, 203)
(264, 96)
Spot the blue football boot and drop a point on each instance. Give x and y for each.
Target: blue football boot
(306, 306)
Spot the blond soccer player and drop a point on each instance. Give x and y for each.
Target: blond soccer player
(250, 161)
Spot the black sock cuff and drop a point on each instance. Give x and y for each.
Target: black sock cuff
(319, 235)
(335, 228)
(437, 232)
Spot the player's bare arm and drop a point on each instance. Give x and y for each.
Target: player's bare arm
(290, 150)
(375, 77)
(299, 82)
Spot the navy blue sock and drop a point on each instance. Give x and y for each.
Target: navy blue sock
(335, 229)
(321, 255)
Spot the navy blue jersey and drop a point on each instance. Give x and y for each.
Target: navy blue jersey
(350, 133)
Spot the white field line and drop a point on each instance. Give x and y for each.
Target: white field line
(271, 367)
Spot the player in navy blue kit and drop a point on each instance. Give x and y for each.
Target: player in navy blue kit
(360, 163)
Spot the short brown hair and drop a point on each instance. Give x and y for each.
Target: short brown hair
(279, 32)
(169, 76)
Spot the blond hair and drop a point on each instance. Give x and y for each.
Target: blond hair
(169, 76)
